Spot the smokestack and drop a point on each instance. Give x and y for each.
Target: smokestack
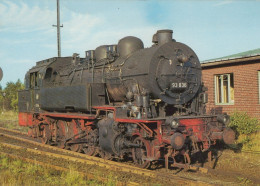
(162, 36)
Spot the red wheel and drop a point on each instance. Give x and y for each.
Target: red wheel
(46, 134)
(72, 131)
(89, 150)
(90, 147)
(76, 147)
(62, 133)
(141, 154)
(105, 155)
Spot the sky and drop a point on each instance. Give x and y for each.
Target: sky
(212, 28)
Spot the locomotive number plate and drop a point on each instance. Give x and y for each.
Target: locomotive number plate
(179, 85)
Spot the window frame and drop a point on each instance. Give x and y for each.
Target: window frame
(230, 102)
(34, 80)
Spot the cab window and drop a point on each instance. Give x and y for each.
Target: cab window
(34, 79)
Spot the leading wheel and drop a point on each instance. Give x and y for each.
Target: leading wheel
(141, 154)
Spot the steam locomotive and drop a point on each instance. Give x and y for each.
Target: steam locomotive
(124, 101)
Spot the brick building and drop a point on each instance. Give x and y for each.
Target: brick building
(233, 83)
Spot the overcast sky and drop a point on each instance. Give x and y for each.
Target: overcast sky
(212, 28)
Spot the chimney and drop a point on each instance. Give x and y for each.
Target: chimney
(163, 36)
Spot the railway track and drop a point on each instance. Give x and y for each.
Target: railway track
(15, 132)
(45, 164)
(18, 141)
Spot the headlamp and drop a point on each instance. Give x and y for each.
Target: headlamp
(174, 123)
(224, 118)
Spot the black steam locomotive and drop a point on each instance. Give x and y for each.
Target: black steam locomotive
(124, 101)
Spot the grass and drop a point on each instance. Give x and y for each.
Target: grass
(9, 116)
(251, 142)
(244, 181)
(17, 172)
(9, 119)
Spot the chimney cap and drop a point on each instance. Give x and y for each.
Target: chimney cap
(165, 31)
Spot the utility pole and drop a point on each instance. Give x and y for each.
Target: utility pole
(58, 28)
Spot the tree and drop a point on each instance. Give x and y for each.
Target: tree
(11, 94)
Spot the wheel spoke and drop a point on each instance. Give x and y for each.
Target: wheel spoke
(140, 154)
(90, 147)
(46, 135)
(62, 129)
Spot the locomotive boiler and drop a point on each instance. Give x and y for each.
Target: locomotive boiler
(124, 101)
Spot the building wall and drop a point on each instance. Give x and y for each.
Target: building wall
(246, 88)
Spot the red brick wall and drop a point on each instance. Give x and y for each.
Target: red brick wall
(246, 88)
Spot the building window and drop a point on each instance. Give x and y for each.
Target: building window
(224, 89)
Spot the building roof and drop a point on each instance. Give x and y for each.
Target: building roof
(248, 53)
(240, 57)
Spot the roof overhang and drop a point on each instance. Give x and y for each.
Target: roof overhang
(230, 61)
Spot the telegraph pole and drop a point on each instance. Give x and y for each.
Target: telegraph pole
(58, 28)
